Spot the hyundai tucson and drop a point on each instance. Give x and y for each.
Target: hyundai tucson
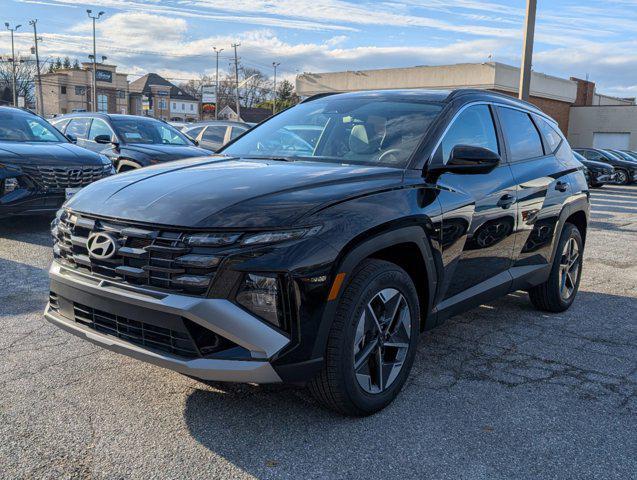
(322, 263)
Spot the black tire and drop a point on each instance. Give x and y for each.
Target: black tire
(548, 296)
(623, 177)
(337, 386)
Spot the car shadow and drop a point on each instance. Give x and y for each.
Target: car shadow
(473, 374)
(22, 287)
(35, 230)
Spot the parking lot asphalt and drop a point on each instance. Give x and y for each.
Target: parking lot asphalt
(503, 391)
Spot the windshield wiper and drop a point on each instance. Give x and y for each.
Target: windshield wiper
(272, 157)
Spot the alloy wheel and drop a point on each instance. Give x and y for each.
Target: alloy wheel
(569, 268)
(381, 340)
(622, 177)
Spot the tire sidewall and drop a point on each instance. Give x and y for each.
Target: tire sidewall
(388, 278)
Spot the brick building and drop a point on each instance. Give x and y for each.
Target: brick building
(70, 90)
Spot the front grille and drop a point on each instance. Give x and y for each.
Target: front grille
(133, 331)
(144, 257)
(57, 178)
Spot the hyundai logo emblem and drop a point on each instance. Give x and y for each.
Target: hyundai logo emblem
(75, 174)
(101, 246)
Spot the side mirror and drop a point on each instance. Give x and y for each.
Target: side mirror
(72, 138)
(103, 139)
(466, 159)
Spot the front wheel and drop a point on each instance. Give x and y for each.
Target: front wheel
(622, 177)
(558, 292)
(372, 341)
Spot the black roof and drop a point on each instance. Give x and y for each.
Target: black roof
(443, 96)
(143, 84)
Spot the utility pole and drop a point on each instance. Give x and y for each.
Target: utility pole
(274, 64)
(94, 96)
(15, 88)
(40, 108)
(217, 52)
(527, 52)
(236, 77)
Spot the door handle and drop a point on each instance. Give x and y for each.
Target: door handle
(506, 201)
(561, 186)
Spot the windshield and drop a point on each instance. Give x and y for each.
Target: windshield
(366, 130)
(19, 127)
(148, 131)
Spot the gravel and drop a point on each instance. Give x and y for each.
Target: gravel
(503, 391)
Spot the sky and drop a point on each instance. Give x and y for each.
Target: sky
(583, 38)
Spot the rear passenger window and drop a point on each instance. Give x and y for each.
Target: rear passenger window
(78, 127)
(552, 138)
(215, 133)
(474, 126)
(60, 124)
(521, 135)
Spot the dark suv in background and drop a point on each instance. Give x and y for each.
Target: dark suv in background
(39, 167)
(130, 141)
(625, 170)
(280, 260)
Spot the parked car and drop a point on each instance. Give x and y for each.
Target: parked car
(214, 134)
(277, 261)
(623, 156)
(599, 173)
(39, 167)
(631, 154)
(130, 141)
(625, 171)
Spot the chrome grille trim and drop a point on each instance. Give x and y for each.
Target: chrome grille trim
(57, 178)
(145, 258)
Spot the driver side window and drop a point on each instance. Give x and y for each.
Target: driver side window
(99, 127)
(474, 127)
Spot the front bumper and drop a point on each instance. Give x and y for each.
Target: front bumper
(217, 315)
(26, 202)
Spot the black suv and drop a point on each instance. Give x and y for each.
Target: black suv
(130, 141)
(625, 170)
(282, 261)
(39, 167)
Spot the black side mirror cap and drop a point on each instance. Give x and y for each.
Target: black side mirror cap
(103, 139)
(467, 159)
(72, 138)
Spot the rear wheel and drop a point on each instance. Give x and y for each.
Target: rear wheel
(372, 342)
(559, 291)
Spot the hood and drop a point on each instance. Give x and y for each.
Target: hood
(597, 165)
(40, 153)
(165, 153)
(221, 192)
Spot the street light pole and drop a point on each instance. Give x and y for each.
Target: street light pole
(217, 52)
(236, 77)
(274, 64)
(527, 52)
(94, 95)
(15, 91)
(40, 108)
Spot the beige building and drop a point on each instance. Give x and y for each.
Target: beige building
(553, 95)
(604, 126)
(70, 90)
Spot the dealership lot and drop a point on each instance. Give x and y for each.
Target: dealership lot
(500, 392)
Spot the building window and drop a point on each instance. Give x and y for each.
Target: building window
(121, 94)
(80, 90)
(162, 103)
(183, 106)
(63, 90)
(192, 107)
(102, 103)
(174, 106)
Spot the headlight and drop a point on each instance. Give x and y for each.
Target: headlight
(9, 185)
(261, 295)
(281, 236)
(105, 160)
(211, 239)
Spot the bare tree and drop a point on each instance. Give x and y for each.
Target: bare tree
(25, 78)
(256, 87)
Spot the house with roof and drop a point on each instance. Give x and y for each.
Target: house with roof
(154, 96)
